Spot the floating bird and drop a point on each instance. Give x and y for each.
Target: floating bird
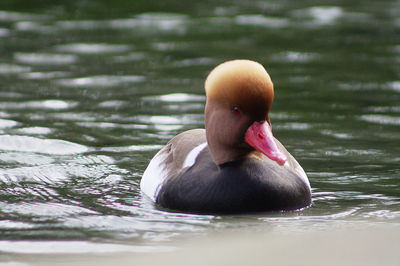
(234, 165)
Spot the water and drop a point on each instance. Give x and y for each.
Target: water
(89, 91)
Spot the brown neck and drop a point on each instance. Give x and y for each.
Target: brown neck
(223, 155)
(224, 135)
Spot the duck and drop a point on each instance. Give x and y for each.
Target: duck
(235, 164)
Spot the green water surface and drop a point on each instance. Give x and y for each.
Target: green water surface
(90, 91)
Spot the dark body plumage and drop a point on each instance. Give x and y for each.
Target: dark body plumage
(245, 185)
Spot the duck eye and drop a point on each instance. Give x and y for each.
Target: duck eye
(236, 110)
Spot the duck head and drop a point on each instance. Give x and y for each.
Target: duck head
(239, 96)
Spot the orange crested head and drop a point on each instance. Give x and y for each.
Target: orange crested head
(243, 84)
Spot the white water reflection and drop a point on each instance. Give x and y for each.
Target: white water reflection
(113, 104)
(158, 21)
(6, 123)
(383, 109)
(295, 57)
(320, 15)
(34, 131)
(80, 24)
(25, 158)
(45, 59)
(73, 247)
(131, 57)
(46, 209)
(134, 148)
(93, 48)
(194, 62)
(170, 120)
(176, 97)
(50, 104)
(395, 86)
(109, 125)
(99, 81)
(17, 16)
(168, 46)
(46, 170)
(41, 174)
(337, 134)
(13, 69)
(13, 225)
(381, 119)
(293, 126)
(260, 20)
(44, 75)
(168, 22)
(4, 32)
(33, 144)
(32, 26)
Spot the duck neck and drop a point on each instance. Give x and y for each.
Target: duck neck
(223, 137)
(224, 155)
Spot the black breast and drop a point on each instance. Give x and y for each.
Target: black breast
(242, 186)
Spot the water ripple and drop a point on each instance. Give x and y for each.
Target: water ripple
(33, 27)
(13, 225)
(176, 97)
(260, 20)
(4, 32)
(170, 120)
(381, 119)
(46, 209)
(132, 148)
(158, 21)
(41, 174)
(25, 158)
(5, 123)
(113, 104)
(44, 104)
(320, 15)
(382, 215)
(13, 69)
(99, 81)
(131, 57)
(33, 144)
(73, 247)
(48, 170)
(336, 134)
(293, 126)
(383, 109)
(45, 59)
(44, 75)
(169, 22)
(394, 85)
(194, 62)
(93, 48)
(17, 16)
(34, 131)
(106, 125)
(295, 57)
(80, 24)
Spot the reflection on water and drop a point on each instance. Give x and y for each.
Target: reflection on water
(99, 81)
(96, 48)
(86, 101)
(44, 59)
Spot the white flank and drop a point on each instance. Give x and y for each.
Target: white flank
(154, 176)
(192, 155)
(156, 172)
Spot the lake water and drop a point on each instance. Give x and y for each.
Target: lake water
(90, 90)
